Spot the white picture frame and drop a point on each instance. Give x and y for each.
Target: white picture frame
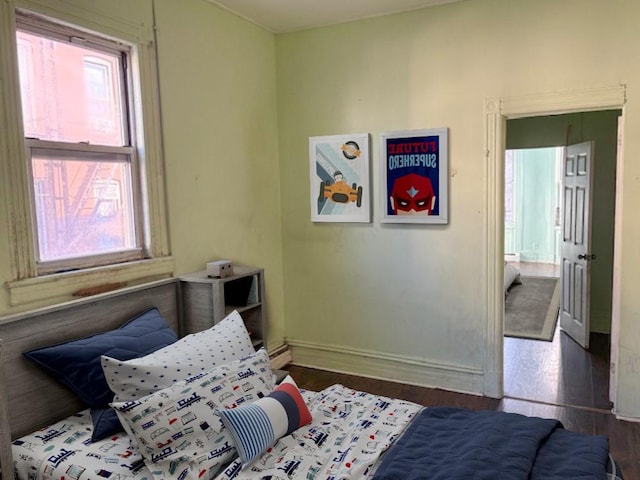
(414, 168)
(339, 178)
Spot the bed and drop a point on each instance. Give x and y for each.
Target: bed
(511, 276)
(231, 421)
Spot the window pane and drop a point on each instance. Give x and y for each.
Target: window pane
(508, 187)
(25, 68)
(83, 206)
(70, 93)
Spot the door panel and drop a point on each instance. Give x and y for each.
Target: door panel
(580, 213)
(576, 228)
(578, 286)
(567, 214)
(566, 287)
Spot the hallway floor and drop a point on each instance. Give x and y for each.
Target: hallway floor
(558, 372)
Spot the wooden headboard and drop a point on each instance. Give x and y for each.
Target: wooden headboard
(31, 399)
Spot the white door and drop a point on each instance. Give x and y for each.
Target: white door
(576, 239)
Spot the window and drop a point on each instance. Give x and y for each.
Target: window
(87, 191)
(79, 147)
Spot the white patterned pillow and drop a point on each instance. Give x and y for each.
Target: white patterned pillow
(177, 429)
(226, 341)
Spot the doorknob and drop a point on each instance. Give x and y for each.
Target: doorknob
(587, 256)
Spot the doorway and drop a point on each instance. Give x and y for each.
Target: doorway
(532, 213)
(497, 112)
(560, 372)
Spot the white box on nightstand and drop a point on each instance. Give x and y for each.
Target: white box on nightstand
(219, 269)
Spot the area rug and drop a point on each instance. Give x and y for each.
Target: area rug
(531, 308)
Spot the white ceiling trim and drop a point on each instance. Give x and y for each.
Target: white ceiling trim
(284, 16)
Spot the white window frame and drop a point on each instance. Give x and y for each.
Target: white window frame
(28, 285)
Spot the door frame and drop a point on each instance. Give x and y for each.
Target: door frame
(496, 112)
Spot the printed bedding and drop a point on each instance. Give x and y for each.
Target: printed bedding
(348, 433)
(206, 407)
(65, 450)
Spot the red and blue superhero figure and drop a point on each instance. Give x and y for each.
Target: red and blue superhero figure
(412, 194)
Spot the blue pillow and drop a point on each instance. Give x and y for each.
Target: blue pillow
(76, 364)
(105, 423)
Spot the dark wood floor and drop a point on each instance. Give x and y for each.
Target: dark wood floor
(560, 372)
(562, 385)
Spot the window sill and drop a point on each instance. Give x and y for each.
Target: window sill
(62, 285)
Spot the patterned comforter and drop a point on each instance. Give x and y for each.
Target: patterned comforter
(349, 433)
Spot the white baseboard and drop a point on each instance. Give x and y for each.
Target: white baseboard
(394, 368)
(280, 357)
(625, 418)
(281, 360)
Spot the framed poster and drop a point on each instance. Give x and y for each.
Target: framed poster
(414, 184)
(339, 178)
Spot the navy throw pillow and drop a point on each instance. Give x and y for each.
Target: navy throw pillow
(105, 423)
(76, 363)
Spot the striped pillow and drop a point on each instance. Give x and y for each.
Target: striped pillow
(257, 426)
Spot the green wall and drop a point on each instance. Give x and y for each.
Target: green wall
(218, 91)
(416, 296)
(238, 106)
(217, 83)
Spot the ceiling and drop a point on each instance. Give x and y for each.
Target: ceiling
(282, 16)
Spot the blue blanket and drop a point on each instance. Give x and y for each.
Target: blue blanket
(453, 443)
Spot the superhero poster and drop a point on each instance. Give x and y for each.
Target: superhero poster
(339, 178)
(414, 182)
